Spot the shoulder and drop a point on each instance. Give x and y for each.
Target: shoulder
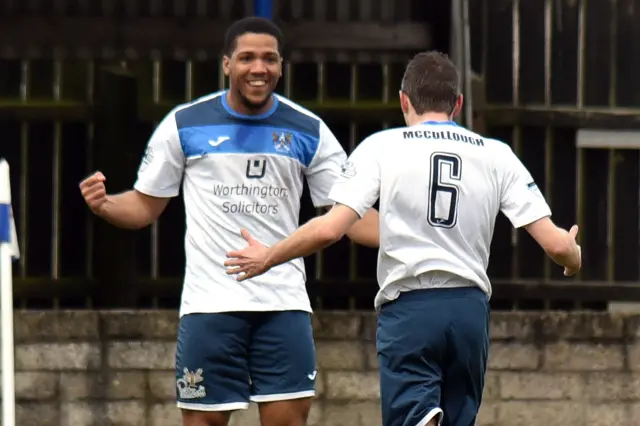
(184, 115)
(499, 153)
(292, 115)
(500, 149)
(490, 143)
(383, 137)
(193, 112)
(296, 109)
(497, 145)
(374, 144)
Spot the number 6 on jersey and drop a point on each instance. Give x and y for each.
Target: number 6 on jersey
(443, 196)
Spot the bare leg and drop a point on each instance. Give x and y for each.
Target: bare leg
(292, 412)
(205, 418)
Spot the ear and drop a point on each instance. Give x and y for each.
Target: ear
(404, 102)
(458, 108)
(226, 65)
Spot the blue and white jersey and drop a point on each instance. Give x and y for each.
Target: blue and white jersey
(440, 187)
(236, 172)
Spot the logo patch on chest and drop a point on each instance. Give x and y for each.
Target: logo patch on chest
(282, 141)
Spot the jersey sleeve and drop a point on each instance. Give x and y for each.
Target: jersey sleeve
(325, 166)
(358, 185)
(521, 200)
(160, 172)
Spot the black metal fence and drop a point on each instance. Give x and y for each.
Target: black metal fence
(552, 68)
(84, 82)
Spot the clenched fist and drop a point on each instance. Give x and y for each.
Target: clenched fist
(94, 191)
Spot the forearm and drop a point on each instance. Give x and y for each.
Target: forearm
(125, 210)
(366, 231)
(308, 239)
(567, 255)
(559, 244)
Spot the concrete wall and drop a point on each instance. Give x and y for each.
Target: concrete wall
(80, 368)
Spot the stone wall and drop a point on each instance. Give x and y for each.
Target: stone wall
(115, 368)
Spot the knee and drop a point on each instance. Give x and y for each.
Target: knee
(288, 420)
(205, 418)
(285, 413)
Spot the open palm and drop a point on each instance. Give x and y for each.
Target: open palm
(248, 262)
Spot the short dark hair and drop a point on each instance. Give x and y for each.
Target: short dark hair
(252, 24)
(431, 82)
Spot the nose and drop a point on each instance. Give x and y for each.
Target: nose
(258, 67)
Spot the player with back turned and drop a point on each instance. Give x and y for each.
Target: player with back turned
(440, 187)
(240, 156)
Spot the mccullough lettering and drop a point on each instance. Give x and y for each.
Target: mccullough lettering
(442, 134)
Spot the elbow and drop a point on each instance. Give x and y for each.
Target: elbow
(130, 222)
(327, 235)
(139, 226)
(127, 225)
(146, 221)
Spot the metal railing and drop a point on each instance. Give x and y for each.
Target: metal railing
(48, 111)
(52, 155)
(543, 79)
(571, 68)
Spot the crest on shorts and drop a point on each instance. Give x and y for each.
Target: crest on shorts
(282, 141)
(188, 385)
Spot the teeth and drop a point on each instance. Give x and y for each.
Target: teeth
(257, 83)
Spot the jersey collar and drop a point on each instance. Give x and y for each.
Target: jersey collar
(441, 123)
(236, 114)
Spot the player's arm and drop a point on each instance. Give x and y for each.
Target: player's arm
(365, 231)
(132, 209)
(525, 206)
(353, 194)
(559, 244)
(159, 178)
(313, 236)
(321, 175)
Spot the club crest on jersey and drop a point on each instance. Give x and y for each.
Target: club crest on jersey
(282, 141)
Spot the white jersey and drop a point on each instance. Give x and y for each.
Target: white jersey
(238, 172)
(440, 188)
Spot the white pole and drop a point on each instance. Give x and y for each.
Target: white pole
(6, 298)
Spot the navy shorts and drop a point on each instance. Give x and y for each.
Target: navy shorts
(432, 350)
(224, 360)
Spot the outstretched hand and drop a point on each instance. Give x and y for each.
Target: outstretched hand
(568, 272)
(250, 261)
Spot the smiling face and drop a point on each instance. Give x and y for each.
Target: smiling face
(254, 68)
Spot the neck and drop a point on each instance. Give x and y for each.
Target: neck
(242, 108)
(428, 116)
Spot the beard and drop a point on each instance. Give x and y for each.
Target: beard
(253, 106)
